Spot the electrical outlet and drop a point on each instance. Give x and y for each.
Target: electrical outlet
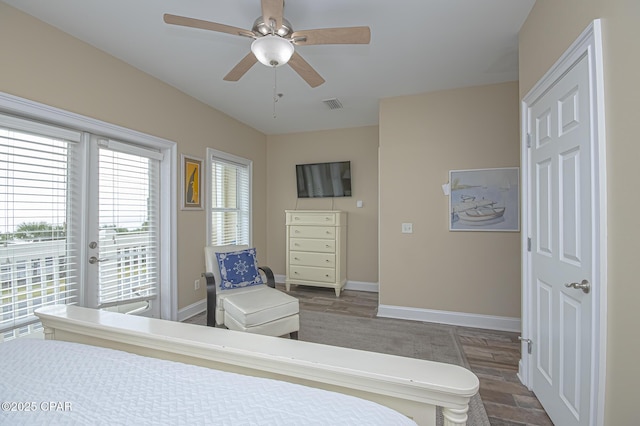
(196, 284)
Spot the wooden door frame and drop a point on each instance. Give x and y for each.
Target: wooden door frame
(589, 44)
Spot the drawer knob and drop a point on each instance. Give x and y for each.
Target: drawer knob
(327, 260)
(296, 258)
(296, 231)
(327, 246)
(326, 275)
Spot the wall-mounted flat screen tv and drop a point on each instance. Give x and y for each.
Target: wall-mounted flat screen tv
(324, 179)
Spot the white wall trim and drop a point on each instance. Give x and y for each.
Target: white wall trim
(362, 286)
(452, 318)
(35, 110)
(350, 285)
(193, 309)
(400, 312)
(521, 371)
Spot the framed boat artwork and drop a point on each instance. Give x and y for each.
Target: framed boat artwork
(191, 181)
(484, 200)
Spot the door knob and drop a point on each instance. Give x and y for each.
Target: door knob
(584, 286)
(94, 259)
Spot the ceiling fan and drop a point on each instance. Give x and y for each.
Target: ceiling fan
(274, 40)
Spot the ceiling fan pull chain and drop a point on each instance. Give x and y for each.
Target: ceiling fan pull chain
(275, 90)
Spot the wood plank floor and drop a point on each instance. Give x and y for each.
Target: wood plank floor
(492, 355)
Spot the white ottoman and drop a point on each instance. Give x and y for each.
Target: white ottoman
(266, 311)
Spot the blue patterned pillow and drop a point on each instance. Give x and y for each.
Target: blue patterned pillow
(239, 269)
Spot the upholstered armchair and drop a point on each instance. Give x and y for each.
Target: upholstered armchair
(241, 295)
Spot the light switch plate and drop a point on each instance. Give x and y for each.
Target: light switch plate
(407, 228)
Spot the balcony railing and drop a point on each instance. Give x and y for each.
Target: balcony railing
(34, 274)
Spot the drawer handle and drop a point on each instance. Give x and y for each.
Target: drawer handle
(295, 273)
(327, 246)
(327, 218)
(328, 232)
(327, 260)
(296, 244)
(296, 258)
(296, 231)
(326, 275)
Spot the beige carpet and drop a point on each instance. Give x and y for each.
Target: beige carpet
(413, 339)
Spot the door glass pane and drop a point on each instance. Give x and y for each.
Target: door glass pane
(128, 228)
(38, 264)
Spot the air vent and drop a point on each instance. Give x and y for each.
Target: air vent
(333, 103)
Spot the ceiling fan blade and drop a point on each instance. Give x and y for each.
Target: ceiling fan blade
(305, 70)
(273, 9)
(346, 35)
(206, 25)
(241, 68)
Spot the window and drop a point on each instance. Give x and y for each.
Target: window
(38, 247)
(229, 204)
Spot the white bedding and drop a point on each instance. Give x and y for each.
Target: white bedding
(56, 382)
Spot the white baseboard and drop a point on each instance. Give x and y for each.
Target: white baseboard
(350, 285)
(192, 309)
(452, 318)
(520, 374)
(362, 286)
(201, 305)
(400, 312)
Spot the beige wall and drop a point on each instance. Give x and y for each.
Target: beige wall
(549, 30)
(358, 145)
(53, 68)
(422, 137)
(42, 64)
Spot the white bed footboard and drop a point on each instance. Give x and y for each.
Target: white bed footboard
(411, 386)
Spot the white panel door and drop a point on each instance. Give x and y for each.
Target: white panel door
(561, 251)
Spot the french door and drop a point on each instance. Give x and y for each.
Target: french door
(83, 219)
(123, 238)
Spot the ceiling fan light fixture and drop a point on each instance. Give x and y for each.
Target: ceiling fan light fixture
(272, 50)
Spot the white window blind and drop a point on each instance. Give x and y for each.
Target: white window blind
(38, 251)
(230, 201)
(128, 213)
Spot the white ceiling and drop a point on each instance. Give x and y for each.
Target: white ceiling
(417, 46)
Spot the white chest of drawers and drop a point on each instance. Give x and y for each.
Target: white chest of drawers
(316, 248)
